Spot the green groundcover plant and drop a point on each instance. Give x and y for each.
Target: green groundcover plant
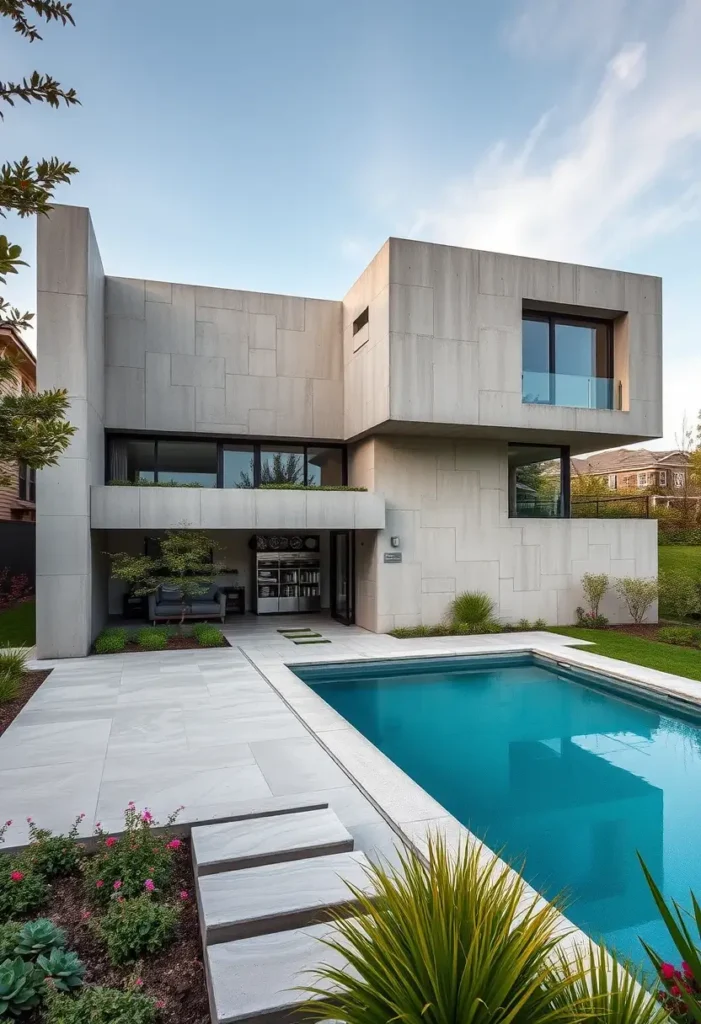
(101, 1006)
(132, 928)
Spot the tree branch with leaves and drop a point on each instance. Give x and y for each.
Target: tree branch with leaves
(33, 427)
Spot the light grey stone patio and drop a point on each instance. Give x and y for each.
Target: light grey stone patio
(221, 730)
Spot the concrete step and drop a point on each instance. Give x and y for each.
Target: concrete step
(254, 981)
(275, 897)
(234, 845)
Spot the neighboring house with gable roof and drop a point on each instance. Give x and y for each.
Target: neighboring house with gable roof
(635, 469)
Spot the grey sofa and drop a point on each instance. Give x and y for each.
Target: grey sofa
(167, 603)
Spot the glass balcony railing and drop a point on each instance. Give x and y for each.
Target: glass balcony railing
(570, 390)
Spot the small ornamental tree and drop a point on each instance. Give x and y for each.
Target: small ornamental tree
(185, 563)
(638, 595)
(32, 426)
(594, 586)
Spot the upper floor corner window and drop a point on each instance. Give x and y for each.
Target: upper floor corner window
(567, 361)
(361, 320)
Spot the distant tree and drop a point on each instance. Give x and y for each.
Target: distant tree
(33, 428)
(284, 469)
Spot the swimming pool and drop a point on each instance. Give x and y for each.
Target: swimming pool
(548, 766)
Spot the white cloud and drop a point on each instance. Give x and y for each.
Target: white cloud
(622, 172)
(554, 29)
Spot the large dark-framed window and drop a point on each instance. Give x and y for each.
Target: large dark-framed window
(539, 481)
(224, 463)
(568, 361)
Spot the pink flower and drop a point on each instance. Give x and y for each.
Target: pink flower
(675, 990)
(111, 841)
(99, 883)
(149, 885)
(139, 981)
(8, 823)
(687, 970)
(117, 885)
(29, 820)
(160, 1003)
(81, 815)
(16, 876)
(98, 824)
(184, 895)
(174, 844)
(147, 816)
(666, 971)
(85, 915)
(131, 805)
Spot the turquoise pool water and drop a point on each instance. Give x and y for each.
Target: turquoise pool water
(571, 777)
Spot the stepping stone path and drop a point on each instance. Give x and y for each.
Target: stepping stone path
(265, 890)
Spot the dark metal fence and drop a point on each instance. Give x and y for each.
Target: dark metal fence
(637, 506)
(18, 550)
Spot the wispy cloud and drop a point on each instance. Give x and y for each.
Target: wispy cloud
(624, 171)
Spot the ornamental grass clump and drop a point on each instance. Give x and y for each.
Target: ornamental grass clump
(471, 608)
(141, 859)
(457, 939)
(12, 668)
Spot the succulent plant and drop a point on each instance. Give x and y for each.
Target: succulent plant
(64, 968)
(39, 936)
(21, 985)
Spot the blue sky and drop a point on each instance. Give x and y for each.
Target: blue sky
(275, 144)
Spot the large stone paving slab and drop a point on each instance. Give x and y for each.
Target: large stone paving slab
(258, 979)
(256, 901)
(235, 845)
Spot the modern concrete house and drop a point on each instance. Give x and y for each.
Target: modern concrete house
(437, 384)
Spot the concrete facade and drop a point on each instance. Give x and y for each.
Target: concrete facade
(418, 370)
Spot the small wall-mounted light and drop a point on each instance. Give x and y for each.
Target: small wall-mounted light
(394, 541)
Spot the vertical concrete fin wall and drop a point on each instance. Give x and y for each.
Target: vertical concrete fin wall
(71, 598)
(366, 348)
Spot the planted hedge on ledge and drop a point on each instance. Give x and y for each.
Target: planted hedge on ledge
(263, 487)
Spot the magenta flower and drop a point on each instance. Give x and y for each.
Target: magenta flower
(131, 805)
(174, 844)
(111, 841)
(99, 883)
(8, 823)
(149, 885)
(85, 915)
(667, 971)
(29, 820)
(117, 885)
(160, 1004)
(16, 876)
(147, 816)
(184, 895)
(139, 981)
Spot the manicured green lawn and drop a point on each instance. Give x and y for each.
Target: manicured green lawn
(18, 625)
(681, 661)
(673, 556)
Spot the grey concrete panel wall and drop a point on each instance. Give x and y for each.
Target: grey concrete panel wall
(366, 353)
(455, 340)
(195, 359)
(154, 508)
(71, 589)
(447, 501)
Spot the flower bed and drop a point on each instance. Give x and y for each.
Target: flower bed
(28, 684)
(106, 936)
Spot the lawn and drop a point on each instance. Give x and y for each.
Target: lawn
(18, 625)
(681, 661)
(673, 556)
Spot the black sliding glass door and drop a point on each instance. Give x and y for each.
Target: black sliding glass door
(342, 576)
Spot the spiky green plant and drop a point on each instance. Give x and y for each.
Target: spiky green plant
(456, 939)
(686, 1003)
(606, 991)
(471, 607)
